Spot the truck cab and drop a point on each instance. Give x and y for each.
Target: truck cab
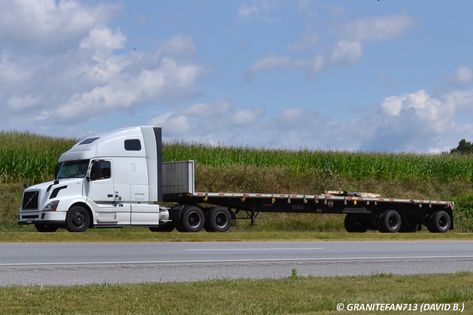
(111, 179)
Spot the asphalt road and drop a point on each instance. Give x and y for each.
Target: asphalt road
(83, 263)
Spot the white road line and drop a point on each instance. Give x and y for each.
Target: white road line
(230, 260)
(252, 249)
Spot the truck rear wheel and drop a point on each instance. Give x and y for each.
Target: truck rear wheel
(218, 219)
(40, 227)
(355, 222)
(77, 219)
(192, 219)
(389, 221)
(439, 222)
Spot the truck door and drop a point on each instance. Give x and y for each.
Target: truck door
(108, 206)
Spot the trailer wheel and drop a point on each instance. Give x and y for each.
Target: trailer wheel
(77, 219)
(389, 221)
(164, 227)
(355, 222)
(218, 220)
(46, 227)
(439, 222)
(192, 219)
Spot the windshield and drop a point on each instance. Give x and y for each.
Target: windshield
(72, 169)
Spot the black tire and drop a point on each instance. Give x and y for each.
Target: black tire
(439, 222)
(77, 219)
(408, 227)
(357, 223)
(40, 227)
(192, 219)
(389, 221)
(218, 220)
(164, 227)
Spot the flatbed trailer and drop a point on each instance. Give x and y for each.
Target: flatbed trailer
(363, 211)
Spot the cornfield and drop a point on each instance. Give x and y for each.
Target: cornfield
(359, 166)
(29, 157)
(32, 158)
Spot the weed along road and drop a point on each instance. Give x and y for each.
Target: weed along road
(83, 263)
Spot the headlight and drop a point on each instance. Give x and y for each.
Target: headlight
(52, 206)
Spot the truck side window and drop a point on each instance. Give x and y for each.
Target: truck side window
(100, 170)
(133, 145)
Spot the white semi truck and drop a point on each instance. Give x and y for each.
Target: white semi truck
(118, 179)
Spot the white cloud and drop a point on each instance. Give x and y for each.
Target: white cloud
(48, 24)
(419, 105)
(216, 122)
(174, 124)
(247, 10)
(102, 37)
(274, 61)
(166, 79)
(463, 75)
(178, 45)
(80, 68)
(347, 51)
(246, 116)
(410, 122)
(292, 114)
(312, 66)
(257, 8)
(18, 103)
(392, 105)
(349, 48)
(12, 71)
(419, 122)
(378, 28)
(226, 124)
(305, 43)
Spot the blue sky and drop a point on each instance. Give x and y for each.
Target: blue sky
(332, 75)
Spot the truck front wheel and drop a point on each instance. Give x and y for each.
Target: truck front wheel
(439, 222)
(77, 219)
(389, 221)
(46, 227)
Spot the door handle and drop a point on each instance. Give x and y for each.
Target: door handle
(110, 196)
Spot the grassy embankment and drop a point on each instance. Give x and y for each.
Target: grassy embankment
(294, 295)
(31, 158)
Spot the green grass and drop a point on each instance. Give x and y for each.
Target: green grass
(293, 295)
(29, 235)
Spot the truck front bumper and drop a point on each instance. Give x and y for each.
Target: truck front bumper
(50, 217)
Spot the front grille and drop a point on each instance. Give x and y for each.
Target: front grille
(30, 200)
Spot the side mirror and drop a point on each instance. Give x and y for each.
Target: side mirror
(56, 170)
